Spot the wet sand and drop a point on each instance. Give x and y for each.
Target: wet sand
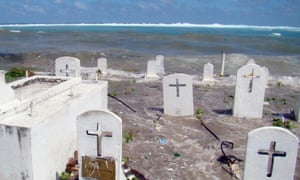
(133, 62)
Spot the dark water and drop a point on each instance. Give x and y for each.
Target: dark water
(166, 40)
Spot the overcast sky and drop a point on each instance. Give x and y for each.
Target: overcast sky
(248, 12)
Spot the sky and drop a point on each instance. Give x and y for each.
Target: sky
(230, 12)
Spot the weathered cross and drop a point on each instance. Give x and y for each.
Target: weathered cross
(100, 134)
(271, 153)
(177, 85)
(66, 70)
(251, 76)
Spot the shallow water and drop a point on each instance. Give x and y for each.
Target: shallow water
(128, 47)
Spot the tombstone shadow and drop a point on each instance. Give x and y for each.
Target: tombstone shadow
(290, 116)
(223, 111)
(156, 109)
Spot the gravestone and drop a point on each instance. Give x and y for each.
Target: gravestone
(251, 61)
(267, 75)
(178, 95)
(151, 69)
(67, 66)
(7, 93)
(271, 154)
(208, 72)
(160, 65)
(249, 91)
(99, 143)
(297, 110)
(102, 65)
(2, 76)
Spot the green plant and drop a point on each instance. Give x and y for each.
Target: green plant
(128, 137)
(199, 113)
(14, 74)
(280, 123)
(65, 176)
(113, 94)
(125, 160)
(279, 84)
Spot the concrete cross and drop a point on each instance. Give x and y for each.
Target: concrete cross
(271, 153)
(177, 85)
(251, 76)
(100, 134)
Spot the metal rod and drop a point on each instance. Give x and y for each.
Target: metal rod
(125, 104)
(211, 132)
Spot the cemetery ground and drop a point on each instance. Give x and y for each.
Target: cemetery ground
(166, 147)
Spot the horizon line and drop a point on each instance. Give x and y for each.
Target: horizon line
(213, 25)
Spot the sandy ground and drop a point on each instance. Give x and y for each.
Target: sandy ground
(166, 147)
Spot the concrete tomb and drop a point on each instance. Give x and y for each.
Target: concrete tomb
(249, 91)
(67, 66)
(99, 142)
(6, 93)
(160, 69)
(271, 154)
(102, 65)
(2, 75)
(151, 69)
(178, 95)
(208, 72)
(38, 134)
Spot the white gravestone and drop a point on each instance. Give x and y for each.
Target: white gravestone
(178, 95)
(102, 65)
(208, 72)
(251, 61)
(249, 91)
(271, 154)
(6, 93)
(151, 69)
(160, 65)
(99, 134)
(67, 66)
(2, 75)
(297, 110)
(267, 75)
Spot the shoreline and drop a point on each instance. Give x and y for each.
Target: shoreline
(137, 62)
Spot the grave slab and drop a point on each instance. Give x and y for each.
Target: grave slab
(271, 154)
(102, 65)
(151, 69)
(160, 65)
(208, 72)
(178, 95)
(249, 92)
(67, 66)
(99, 137)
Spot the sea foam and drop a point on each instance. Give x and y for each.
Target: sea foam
(184, 25)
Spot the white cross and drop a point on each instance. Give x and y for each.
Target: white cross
(100, 134)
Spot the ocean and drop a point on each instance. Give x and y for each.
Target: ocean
(166, 39)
